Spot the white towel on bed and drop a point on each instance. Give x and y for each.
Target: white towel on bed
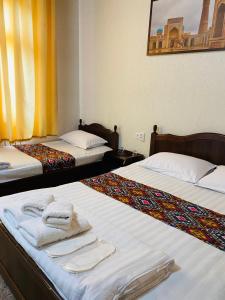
(38, 234)
(59, 215)
(89, 259)
(127, 274)
(4, 165)
(35, 207)
(14, 215)
(142, 275)
(71, 245)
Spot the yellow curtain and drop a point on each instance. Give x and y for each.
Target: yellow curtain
(27, 69)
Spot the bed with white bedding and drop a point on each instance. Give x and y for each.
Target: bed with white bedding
(23, 165)
(199, 266)
(27, 172)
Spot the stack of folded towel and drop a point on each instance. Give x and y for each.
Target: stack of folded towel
(45, 220)
(38, 234)
(59, 215)
(4, 165)
(36, 207)
(132, 270)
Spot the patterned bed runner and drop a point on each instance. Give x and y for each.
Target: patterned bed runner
(195, 220)
(51, 159)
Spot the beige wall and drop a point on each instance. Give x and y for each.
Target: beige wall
(67, 39)
(120, 85)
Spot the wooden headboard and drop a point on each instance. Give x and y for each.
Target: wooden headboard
(207, 146)
(110, 136)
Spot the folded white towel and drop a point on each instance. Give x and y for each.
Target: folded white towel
(144, 274)
(117, 278)
(14, 215)
(4, 165)
(35, 207)
(58, 215)
(89, 259)
(70, 245)
(38, 234)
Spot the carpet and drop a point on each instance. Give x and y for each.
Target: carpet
(5, 293)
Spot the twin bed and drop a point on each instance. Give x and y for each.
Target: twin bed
(26, 172)
(199, 266)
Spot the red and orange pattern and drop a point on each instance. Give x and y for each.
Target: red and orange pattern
(51, 159)
(202, 223)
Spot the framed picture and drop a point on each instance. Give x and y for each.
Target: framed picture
(178, 26)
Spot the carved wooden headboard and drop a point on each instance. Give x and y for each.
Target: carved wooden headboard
(208, 146)
(110, 136)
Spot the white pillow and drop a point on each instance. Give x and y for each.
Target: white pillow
(215, 180)
(181, 166)
(82, 139)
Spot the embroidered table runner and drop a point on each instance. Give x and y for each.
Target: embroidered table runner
(195, 220)
(51, 159)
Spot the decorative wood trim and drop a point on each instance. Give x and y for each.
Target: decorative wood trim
(153, 139)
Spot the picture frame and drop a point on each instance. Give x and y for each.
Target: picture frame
(186, 26)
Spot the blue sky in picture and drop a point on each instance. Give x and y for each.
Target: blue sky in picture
(189, 9)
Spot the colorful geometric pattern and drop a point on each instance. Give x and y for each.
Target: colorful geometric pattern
(51, 159)
(200, 222)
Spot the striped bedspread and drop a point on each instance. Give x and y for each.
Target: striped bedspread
(200, 222)
(200, 265)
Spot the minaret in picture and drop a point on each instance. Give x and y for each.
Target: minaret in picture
(203, 27)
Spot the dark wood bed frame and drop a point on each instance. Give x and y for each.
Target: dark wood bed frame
(22, 274)
(69, 175)
(207, 146)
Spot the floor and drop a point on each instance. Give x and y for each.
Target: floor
(5, 293)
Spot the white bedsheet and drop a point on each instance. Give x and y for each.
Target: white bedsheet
(23, 165)
(201, 266)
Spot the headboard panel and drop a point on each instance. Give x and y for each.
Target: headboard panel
(208, 146)
(110, 136)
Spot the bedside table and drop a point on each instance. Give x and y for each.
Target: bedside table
(117, 159)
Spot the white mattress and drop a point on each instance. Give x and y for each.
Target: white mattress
(23, 165)
(200, 273)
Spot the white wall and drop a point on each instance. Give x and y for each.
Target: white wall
(120, 85)
(67, 43)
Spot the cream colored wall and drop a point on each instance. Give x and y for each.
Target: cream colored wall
(67, 42)
(120, 85)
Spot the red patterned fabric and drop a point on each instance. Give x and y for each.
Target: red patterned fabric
(202, 223)
(51, 159)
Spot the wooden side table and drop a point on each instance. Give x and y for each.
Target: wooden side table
(117, 159)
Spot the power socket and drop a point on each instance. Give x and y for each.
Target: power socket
(140, 136)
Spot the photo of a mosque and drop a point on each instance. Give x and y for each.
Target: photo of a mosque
(173, 36)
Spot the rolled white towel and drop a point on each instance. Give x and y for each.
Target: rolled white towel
(59, 215)
(4, 165)
(38, 234)
(35, 207)
(14, 215)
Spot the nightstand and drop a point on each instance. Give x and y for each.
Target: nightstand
(116, 159)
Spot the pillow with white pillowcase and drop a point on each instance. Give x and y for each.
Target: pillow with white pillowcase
(183, 167)
(83, 139)
(215, 180)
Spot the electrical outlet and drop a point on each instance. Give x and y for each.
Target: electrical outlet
(140, 136)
